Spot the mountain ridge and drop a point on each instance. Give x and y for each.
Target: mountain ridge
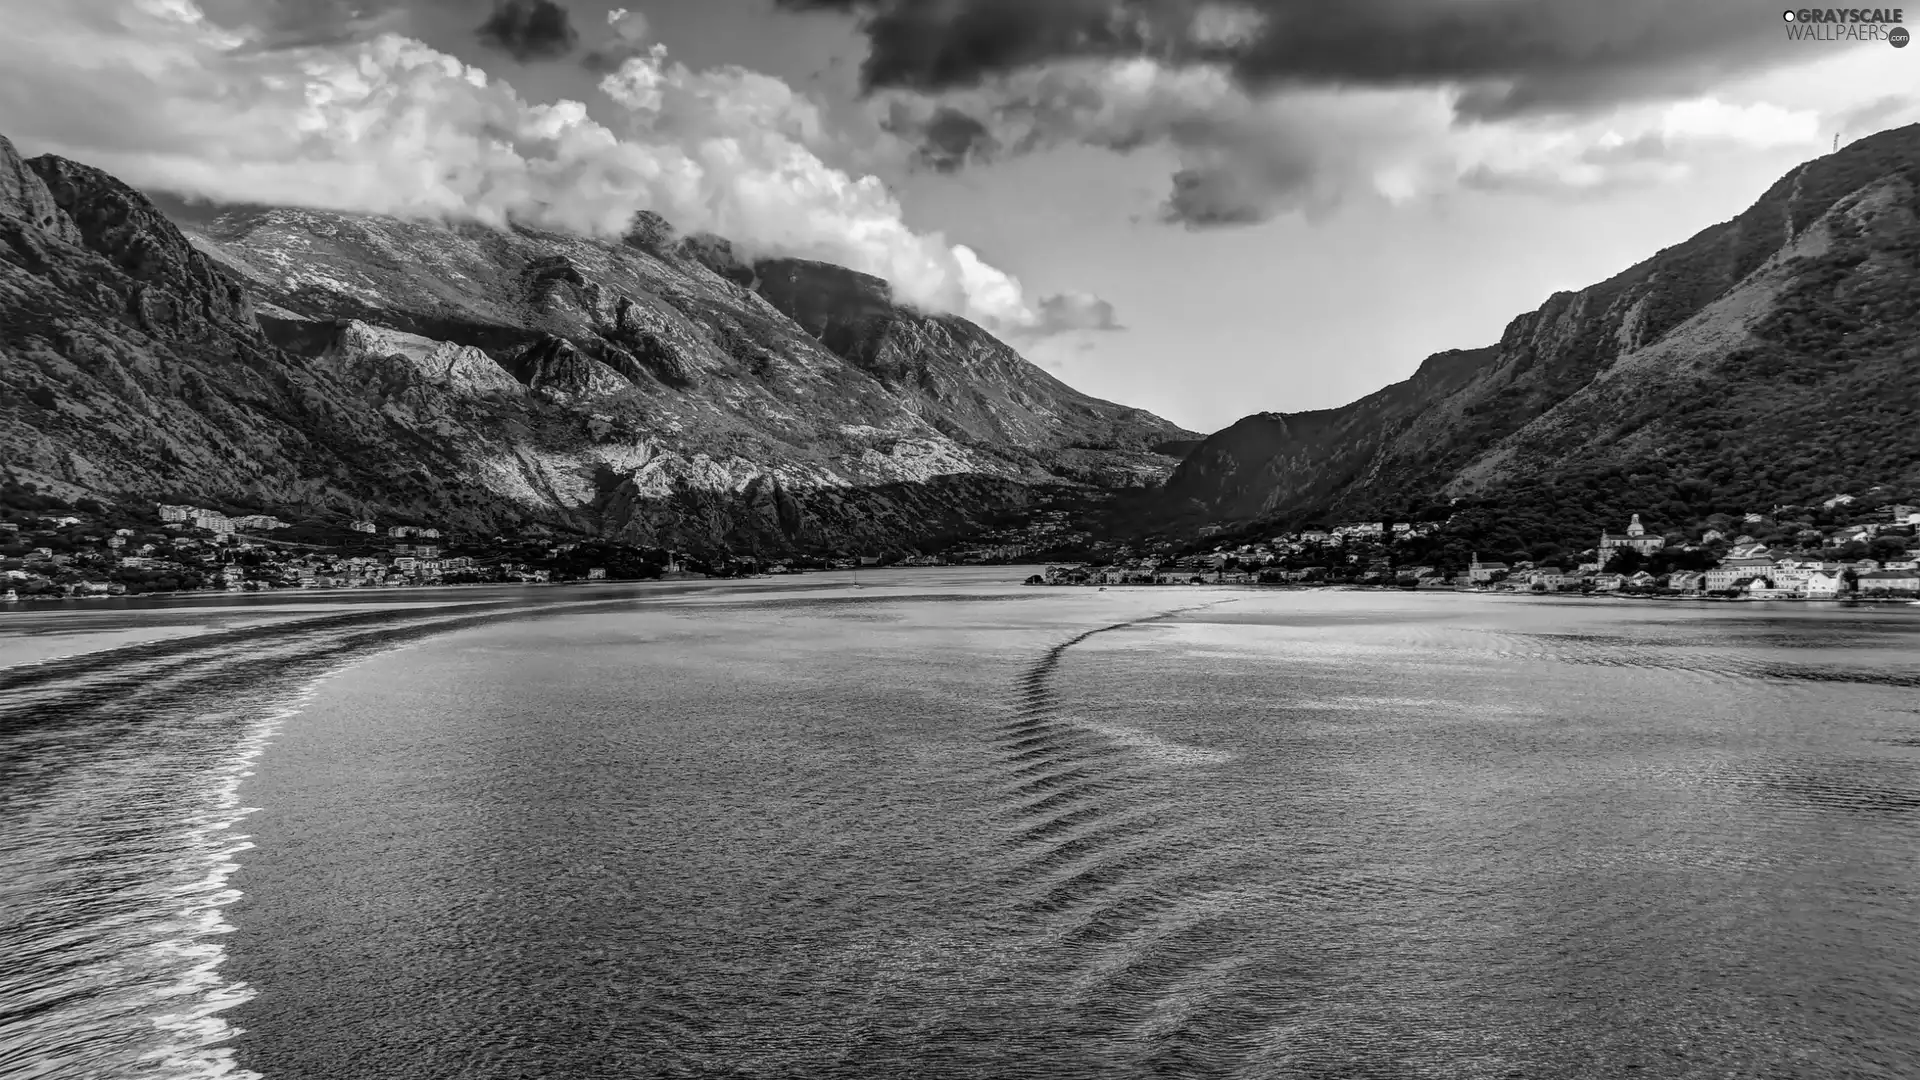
(346, 365)
(1600, 381)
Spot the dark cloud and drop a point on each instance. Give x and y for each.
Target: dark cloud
(602, 61)
(1218, 198)
(529, 29)
(947, 140)
(1066, 312)
(934, 45)
(1517, 55)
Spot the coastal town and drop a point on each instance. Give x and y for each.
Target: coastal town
(1844, 548)
(54, 549)
(1756, 556)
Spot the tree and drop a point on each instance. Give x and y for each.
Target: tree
(1887, 548)
(1625, 560)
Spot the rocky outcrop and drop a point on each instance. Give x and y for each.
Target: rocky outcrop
(374, 356)
(178, 292)
(555, 366)
(716, 254)
(25, 199)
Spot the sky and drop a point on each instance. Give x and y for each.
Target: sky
(1205, 208)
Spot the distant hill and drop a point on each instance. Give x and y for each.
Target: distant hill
(1773, 358)
(657, 390)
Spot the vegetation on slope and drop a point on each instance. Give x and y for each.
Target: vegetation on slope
(1819, 397)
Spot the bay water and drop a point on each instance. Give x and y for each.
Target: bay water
(937, 824)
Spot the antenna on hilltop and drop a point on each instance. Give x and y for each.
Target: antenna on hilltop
(1836, 142)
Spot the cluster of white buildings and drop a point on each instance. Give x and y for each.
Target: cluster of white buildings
(396, 532)
(1359, 532)
(220, 524)
(1371, 532)
(1748, 569)
(367, 571)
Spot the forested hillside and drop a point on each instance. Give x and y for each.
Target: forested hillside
(1772, 359)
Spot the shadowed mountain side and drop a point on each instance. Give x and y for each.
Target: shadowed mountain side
(1768, 359)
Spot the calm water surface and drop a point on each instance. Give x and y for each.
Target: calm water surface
(945, 826)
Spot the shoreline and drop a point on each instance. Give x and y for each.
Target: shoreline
(372, 590)
(1527, 595)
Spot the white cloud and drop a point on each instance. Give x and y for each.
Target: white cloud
(1759, 124)
(156, 93)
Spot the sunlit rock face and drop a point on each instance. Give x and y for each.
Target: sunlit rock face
(658, 389)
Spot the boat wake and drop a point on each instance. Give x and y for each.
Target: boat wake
(1120, 891)
(120, 827)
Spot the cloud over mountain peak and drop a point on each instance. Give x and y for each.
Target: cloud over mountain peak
(244, 109)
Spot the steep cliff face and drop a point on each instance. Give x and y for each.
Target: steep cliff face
(1733, 349)
(333, 364)
(25, 200)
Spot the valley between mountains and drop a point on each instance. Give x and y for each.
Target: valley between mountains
(664, 392)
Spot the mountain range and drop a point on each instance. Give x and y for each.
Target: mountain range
(658, 389)
(1770, 359)
(663, 390)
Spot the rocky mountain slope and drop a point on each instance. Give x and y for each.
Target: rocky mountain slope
(659, 390)
(1773, 358)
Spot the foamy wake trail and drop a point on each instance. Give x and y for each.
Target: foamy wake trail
(122, 830)
(192, 1029)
